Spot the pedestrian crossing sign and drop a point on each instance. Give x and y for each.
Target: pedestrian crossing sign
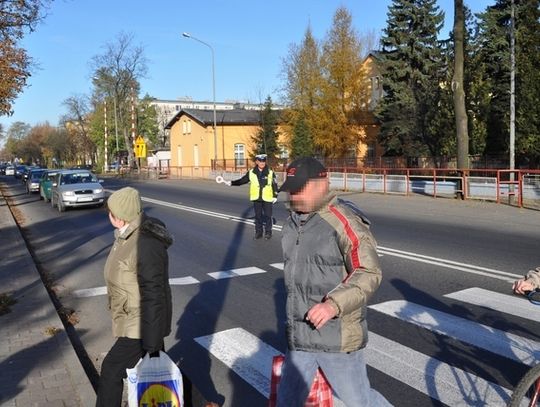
(140, 148)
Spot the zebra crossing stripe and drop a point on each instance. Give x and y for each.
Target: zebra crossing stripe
(244, 353)
(515, 305)
(183, 280)
(251, 359)
(90, 292)
(482, 336)
(245, 271)
(430, 376)
(96, 291)
(279, 266)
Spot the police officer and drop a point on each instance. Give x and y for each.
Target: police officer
(263, 192)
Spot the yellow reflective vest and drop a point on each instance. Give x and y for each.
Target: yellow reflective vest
(254, 187)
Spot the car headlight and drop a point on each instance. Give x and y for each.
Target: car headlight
(98, 191)
(68, 193)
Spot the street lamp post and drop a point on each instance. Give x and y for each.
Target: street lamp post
(188, 35)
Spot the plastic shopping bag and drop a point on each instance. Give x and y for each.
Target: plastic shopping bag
(320, 394)
(155, 382)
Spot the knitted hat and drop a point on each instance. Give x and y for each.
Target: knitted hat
(125, 204)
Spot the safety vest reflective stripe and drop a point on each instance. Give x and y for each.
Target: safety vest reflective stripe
(254, 187)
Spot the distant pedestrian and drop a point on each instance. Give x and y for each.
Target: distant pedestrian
(139, 295)
(263, 193)
(331, 271)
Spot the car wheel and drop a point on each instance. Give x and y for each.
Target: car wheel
(41, 195)
(52, 201)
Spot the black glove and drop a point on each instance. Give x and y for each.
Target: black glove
(154, 354)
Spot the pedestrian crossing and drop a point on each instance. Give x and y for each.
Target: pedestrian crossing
(251, 358)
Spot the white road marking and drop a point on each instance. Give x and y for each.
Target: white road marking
(438, 380)
(90, 292)
(509, 304)
(244, 353)
(93, 292)
(204, 212)
(469, 268)
(511, 346)
(183, 280)
(454, 265)
(245, 271)
(279, 266)
(251, 359)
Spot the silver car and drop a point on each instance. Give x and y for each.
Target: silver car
(72, 188)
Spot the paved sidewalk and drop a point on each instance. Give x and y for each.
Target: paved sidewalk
(38, 365)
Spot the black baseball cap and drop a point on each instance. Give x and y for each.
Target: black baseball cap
(300, 171)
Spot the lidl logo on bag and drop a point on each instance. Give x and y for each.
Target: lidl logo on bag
(162, 394)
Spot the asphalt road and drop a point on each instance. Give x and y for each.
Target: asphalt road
(426, 348)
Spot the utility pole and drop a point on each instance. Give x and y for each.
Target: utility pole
(512, 90)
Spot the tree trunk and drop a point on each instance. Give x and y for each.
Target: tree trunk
(457, 88)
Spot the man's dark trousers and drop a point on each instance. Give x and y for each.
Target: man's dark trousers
(263, 216)
(124, 354)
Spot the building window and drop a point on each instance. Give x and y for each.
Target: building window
(189, 127)
(239, 155)
(179, 155)
(196, 155)
(184, 127)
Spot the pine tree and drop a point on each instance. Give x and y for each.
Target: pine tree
(301, 142)
(265, 140)
(414, 80)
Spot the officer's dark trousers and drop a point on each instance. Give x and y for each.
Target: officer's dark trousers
(263, 217)
(124, 354)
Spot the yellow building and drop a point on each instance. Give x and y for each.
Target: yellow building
(192, 137)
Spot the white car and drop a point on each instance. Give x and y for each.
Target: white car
(72, 188)
(10, 170)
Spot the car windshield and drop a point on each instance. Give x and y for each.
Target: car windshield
(50, 176)
(78, 178)
(36, 174)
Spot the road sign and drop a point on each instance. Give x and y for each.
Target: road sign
(140, 147)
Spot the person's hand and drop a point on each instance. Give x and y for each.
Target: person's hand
(274, 200)
(320, 314)
(522, 287)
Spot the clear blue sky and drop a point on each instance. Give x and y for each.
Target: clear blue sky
(250, 39)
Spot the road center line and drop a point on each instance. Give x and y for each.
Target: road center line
(468, 268)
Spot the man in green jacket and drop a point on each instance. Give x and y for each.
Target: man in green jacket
(331, 271)
(137, 278)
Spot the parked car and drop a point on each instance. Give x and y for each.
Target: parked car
(72, 188)
(32, 182)
(10, 170)
(3, 169)
(45, 184)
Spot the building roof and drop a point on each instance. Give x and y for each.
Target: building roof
(223, 117)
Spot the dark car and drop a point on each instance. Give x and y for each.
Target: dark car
(19, 170)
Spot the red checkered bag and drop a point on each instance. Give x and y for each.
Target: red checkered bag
(320, 394)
